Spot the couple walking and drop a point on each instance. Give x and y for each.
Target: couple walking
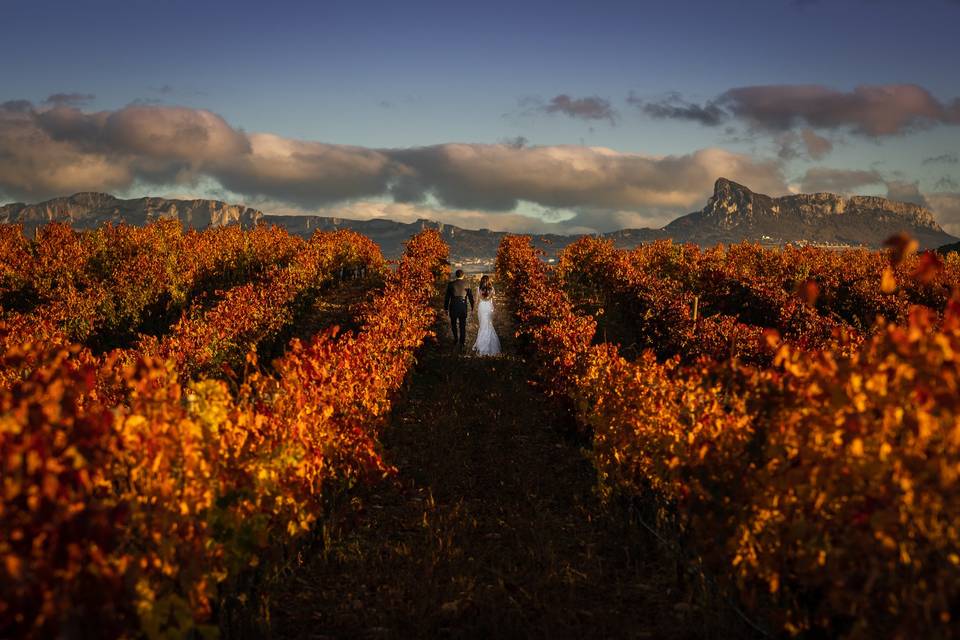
(455, 302)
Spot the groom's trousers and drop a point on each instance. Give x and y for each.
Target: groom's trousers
(458, 321)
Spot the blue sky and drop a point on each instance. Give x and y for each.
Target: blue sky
(395, 76)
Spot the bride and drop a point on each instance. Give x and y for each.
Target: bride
(487, 344)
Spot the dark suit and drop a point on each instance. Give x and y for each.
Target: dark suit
(455, 302)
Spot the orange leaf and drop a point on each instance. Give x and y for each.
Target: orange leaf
(888, 284)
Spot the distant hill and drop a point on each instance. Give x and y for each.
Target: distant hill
(948, 248)
(465, 244)
(732, 214)
(90, 210)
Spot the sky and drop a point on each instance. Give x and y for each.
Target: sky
(522, 116)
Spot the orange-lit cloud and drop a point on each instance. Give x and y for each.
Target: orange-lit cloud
(59, 150)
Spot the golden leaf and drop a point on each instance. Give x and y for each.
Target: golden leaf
(888, 283)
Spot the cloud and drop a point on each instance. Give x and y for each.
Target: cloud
(69, 99)
(59, 150)
(674, 107)
(156, 144)
(538, 220)
(589, 108)
(498, 177)
(945, 158)
(16, 106)
(903, 191)
(867, 110)
(517, 142)
(846, 181)
(34, 164)
(820, 179)
(303, 172)
(817, 146)
(409, 212)
(805, 144)
(946, 183)
(946, 208)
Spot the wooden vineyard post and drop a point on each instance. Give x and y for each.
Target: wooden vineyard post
(696, 311)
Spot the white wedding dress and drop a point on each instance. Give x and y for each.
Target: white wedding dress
(487, 344)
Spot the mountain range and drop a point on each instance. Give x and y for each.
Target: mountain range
(733, 213)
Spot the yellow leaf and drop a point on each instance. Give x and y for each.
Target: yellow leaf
(14, 565)
(856, 447)
(888, 284)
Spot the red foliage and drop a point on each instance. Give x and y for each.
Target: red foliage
(824, 483)
(132, 517)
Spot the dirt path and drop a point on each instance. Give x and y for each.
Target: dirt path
(491, 529)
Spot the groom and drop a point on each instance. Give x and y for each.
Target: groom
(455, 302)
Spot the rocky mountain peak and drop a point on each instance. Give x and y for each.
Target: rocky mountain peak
(90, 198)
(916, 214)
(733, 204)
(90, 209)
(724, 187)
(735, 213)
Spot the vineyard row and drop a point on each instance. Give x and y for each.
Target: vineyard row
(823, 486)
(142, 516)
